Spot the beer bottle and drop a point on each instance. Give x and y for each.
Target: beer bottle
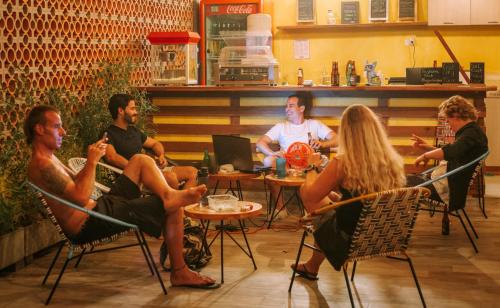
(335, 74)
(205, 164)
(300, 77)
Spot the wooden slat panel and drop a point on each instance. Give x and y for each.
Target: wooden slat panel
(203, 129)
(192, 101)
(407, 112)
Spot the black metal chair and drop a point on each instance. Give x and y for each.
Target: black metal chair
(384, 228)
(77, 250)
(441, 207)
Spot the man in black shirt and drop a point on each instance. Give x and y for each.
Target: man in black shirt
(125, 140)
(470, 143)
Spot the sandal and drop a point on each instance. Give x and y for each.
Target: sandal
(302, 271)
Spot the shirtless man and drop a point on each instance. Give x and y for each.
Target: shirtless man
(159, 213)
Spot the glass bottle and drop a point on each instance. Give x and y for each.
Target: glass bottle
(330, 18)
(300, 77)
(335, 74)
(205, 164)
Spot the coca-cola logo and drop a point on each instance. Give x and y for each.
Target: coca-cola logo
(239, 9)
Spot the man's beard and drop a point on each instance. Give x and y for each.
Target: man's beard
(130, 119)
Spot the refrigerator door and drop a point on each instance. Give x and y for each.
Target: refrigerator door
(223, 23)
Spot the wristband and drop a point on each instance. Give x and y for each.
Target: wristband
(311, 168)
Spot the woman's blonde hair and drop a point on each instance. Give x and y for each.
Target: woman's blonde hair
(369, 162)
(458, 107)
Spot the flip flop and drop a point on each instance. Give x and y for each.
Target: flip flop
(209, 286)
(304, 273)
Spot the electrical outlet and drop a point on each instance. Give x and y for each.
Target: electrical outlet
(410, 41)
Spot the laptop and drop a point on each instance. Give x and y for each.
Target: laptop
(236, 151)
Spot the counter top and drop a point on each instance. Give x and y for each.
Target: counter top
(361, 88)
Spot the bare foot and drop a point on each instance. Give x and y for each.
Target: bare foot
(175, 199)
(187, 277)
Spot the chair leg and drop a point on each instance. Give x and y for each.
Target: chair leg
(297, 260)
(348, 285)
(467, 232)
(470, 223)
(153, 262)
(353, 270)
(57, 281)
(144, 252)
(416, 281)
(53, 262)
(81, 256)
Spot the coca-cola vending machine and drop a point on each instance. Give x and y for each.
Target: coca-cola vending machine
(222, 22)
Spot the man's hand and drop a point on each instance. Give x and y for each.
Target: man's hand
(162, 162)
(419, 142)
(421, 159)
(316, 144)
(279, 154)
(96, 151)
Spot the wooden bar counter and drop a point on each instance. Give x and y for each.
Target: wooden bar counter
(188, 116)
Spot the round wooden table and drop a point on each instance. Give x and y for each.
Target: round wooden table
(206, 214)
(235, 177)
(288, 181)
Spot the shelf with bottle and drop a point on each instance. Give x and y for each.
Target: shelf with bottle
(360, 26)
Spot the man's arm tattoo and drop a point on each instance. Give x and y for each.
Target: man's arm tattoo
(54, 179)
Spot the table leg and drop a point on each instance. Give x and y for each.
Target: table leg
(238, 189)
(216, 186)
(222, 251)
(248, 246)
(274, 207)
(299, 201)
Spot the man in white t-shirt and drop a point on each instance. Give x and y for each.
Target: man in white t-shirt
(295, 128)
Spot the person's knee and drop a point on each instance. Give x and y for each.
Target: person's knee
(141, 159)
(192, 172)
(171, 179)
(270, 161)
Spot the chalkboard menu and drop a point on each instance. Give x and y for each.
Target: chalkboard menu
(431, 74)
(450, 72)
(477, 72)
(350, 12)
(378, 10)
(305, 10)
(407, 10)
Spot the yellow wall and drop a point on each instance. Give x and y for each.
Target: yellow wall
(386, 46)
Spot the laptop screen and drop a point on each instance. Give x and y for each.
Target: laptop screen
(233, 150)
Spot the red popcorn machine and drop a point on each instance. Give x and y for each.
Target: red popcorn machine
(174, 58)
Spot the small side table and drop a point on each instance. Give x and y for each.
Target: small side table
(205, 213)
(295, 183)
(235, 177)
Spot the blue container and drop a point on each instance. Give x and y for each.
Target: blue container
(280, 167)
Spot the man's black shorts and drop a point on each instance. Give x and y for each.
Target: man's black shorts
(124, 202)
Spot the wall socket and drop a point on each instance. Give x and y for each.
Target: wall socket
(410, 41)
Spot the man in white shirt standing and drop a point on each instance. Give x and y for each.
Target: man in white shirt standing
(295, 129)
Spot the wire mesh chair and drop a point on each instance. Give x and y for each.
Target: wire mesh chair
(105, 175)
(384, 228)
(77, 250)
(441, 207)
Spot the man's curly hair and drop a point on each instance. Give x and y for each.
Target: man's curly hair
(458, 107)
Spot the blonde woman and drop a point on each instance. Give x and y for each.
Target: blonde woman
(366, 163)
